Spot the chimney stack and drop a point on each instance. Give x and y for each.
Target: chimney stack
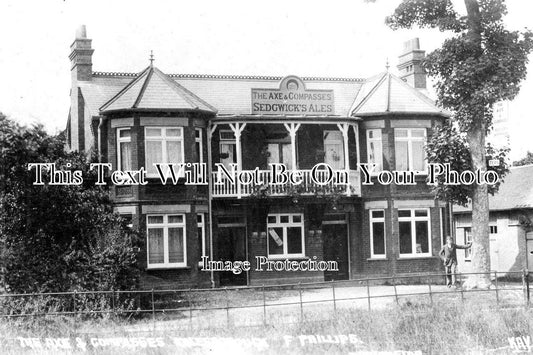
(81, 56)
(410, 64)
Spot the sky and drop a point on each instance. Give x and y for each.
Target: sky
(305, 38)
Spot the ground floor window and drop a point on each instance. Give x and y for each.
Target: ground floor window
(414, 232)
(285, 235)
(166, 242)
(377, 234)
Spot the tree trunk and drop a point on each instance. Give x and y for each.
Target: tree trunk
(480, 212)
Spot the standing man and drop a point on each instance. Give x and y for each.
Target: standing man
(448, 254)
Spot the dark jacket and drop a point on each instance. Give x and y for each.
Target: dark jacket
(449, 254)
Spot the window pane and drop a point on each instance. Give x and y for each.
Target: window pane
(405, 238)
(201, 246)
(155, 246)
(375, 154)
(421, 213)
(417, 133)
(402, 133)
(198, 133)
(296, 219)
(284, 219)
(124, 133)
(200, 218)
(378, 235)
(125, 156)
(273, 156)
(154, 155)
(422, 237)
(153, 132)
(404, 213)
(175, 219)
(174, 152)
(275, 241)
(374, 134)
(229, 150)
(418, 155)
(286, 155)
(379, 214)
(402, 155)
(294, 240)
(173, 132)
(175, 245)
(227, 135)
(155, 219)
(271, 219)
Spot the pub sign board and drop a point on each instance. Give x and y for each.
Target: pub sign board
(292, 98)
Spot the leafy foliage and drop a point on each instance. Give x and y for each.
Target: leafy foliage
(58, 237)
(448, 146)
(528, 159)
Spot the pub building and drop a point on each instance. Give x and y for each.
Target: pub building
(248, 122)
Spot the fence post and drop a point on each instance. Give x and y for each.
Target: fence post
(334, 300)
(496, 286)
(301, 304)
(368, 294)
(153, 308)
(264, 307)
(190, 307)
(430, 293)
(395, 290)
(227, 305)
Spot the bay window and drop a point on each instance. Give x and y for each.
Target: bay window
(414, 232)
(166, 240)
(377, 234)
(409, 147)
(162, 145)
(285, 235)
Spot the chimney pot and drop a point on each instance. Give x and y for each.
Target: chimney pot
(81, 32)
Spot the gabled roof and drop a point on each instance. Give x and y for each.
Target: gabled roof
(515, 192)
(387, 94)
(154, 90)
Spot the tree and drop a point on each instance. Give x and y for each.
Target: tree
(57, 238)
(480, 64)
(528, 159)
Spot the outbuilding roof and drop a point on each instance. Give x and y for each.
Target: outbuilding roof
(387, 94)
(516, 191)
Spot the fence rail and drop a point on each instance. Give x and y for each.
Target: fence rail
(268, 304)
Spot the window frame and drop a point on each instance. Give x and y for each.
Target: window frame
(121, 140)
(373, 220)
(199, 140)
(232, 141)
(202, 226)
(342, 158)
(413, 219)
(284, 226)
(379, 163)
(166, 225)
(410, 139)
(163, 139)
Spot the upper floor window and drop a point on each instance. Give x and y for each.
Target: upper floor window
(124, 149)
(414, 232)
(228, 148)
(280, 153)
(334, 149)
(163, 145)
(377, 234)
(285, 235)
(166, 240)
(374, 148)
(409, 147)
(198, 143)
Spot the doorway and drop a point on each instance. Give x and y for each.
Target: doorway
(335, 248)
(231, 246)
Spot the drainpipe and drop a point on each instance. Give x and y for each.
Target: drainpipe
(99, 143)
(210, 199)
